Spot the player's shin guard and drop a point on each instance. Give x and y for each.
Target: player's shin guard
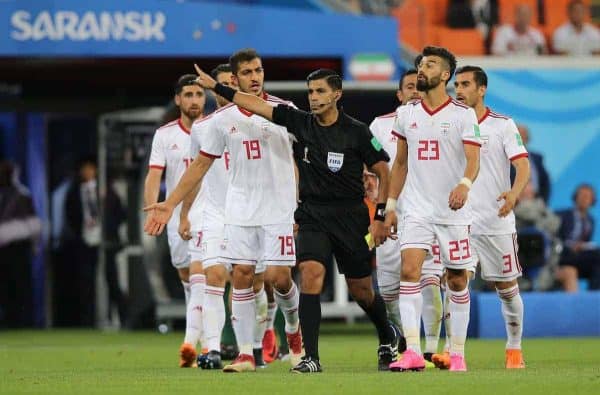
(214, 316)
(389, 294)
(459, 306)
(193, 316)
(243, 316)
(186, 291)
(411, 302)
(512, 311)
(431, 312)
(260, 324)
(288, 304)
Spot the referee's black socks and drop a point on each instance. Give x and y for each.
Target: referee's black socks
(378, 315)
(309, 312)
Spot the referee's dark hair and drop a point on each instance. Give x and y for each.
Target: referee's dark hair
(222, 68)
(443, 53)
(479, 75)
(185, 80)
(406, 73)
(332, 78)
(241, 56)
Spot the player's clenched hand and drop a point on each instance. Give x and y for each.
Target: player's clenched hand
(184, 228)
(205, 80)
(510, 199)
(158, 216)
(391, 224)
(458, 197)
(378, 232)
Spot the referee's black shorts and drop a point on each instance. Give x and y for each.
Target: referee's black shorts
(338, 229)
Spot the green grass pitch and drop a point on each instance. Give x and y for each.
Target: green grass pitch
(80, 362)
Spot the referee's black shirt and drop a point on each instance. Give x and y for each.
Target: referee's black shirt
(330, 158)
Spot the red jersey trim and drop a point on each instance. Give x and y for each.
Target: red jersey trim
(225, 107)
(518, 156)
(198, 121)
(471, 143)
(182, 126)
(436, 110)
(496, 115)
(390, 115)
(459, 104)
(156, 167)
(245, 112)
(485, 115)
(168, 124)
(398, 135)
(204, 153)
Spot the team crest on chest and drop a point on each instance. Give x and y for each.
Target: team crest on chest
(485, 144)
(335, 160)
(445, 128)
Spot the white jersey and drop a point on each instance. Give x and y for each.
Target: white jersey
(381, 127)
(436, 158)
(262, 187)
(500, 144)
(171, 150)
(214, 184)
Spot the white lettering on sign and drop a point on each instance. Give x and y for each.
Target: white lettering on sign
(101, 26)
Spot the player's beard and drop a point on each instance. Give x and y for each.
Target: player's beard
(192, 114)
(428, 84)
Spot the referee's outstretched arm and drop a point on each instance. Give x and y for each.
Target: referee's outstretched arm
(249, 102)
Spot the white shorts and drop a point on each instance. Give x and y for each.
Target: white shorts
(272, 245)
(180, 257)
(432, 265)
(455, 247)
(497, 256)
(388, 257)
(207, 245)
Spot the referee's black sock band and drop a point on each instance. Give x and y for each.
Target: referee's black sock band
(309, 312)
(377, 314)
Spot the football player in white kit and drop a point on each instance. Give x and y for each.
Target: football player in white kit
(201, 222)
(388, 254)
(436, 162)
(171, 151)
(260, 202)
(493, 233)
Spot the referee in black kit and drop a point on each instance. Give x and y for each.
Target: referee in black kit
(331, 150)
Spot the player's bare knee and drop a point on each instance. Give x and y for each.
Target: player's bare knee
(456, 279)
(500, 285)
(196, 268)
(216, 276)
(280, 277)
(243, 276)
(312, 275)
(184, 274)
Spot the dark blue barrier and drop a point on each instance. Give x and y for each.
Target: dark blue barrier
(546, 314)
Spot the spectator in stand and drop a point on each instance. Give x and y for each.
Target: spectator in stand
(580, 257)
(469, 14)
(539, 178)
(520, 38)
(575, 37)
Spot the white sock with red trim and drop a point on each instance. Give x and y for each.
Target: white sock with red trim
(432, 312)
(411, 303)
(214, 316)
(459, 307)
(243, 316)
(512, 311)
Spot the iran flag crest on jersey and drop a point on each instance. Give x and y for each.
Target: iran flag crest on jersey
(335, 160)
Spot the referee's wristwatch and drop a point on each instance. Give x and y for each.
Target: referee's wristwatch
(379, 212)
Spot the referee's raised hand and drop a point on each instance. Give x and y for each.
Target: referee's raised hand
(205, 80)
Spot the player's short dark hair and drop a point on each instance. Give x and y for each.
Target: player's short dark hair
(332, 78)
(185, 80)
(405, 74)
(479, 75)
(443, 53)
(222, 68)
(241, 56)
